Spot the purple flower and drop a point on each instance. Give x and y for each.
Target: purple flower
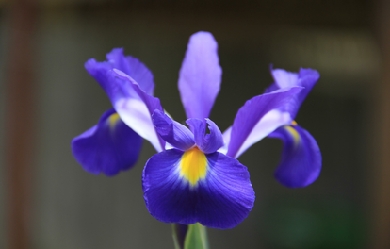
(195, 176)
(301, 159)
(111, 146)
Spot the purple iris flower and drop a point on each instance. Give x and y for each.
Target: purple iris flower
(195, 176)
(111, 146)
(301, 159)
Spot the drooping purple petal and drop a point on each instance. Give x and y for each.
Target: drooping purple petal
(200, 75)
(306, 78)
(222, 199)
(135, 112)
(208, 142)
(172, 132)
(255, 120)
(301, 160)
(108, 147)
(129, 65)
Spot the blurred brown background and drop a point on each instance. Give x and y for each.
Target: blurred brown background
(46, 98)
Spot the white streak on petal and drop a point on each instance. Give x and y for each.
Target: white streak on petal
(285, 79)
(226, 139)
(135, 114)
(272, 120)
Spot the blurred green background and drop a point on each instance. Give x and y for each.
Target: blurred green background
(65, 207)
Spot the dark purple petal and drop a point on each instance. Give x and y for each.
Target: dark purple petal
(200, 75)
(129, 65)
(222, 199)
(245, 129)
(172, 132)
(135, 112)
(207, 142)
(108, 147)
(301, 159)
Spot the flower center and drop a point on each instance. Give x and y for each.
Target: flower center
(193, 165)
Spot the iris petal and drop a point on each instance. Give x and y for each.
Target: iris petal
(128, 65)
(135, 112)
(222, 199)
(108, 147)
(172, 132)
(198, 128)
(200, 75)
(301, 159)
(253, 117)
(210, 142)
(306, 78)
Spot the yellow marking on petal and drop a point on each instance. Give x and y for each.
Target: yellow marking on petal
(294, 122)
(294, 133)
(113, 119)
(193, 165)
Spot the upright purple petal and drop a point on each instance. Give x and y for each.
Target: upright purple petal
(222, 198)
(108, 147)
(172, 132)
(129, 65)
(301, 160)
(135, 112)
(200, 75)
(252, 115)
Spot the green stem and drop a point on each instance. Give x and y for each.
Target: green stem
(179, 233)
(189, 237)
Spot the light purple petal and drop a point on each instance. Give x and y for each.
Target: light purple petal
(284, 79)
(306, 78)
(200, 75)
(250, 117)
(222, 199)
(108, 147)
(135, 112)
(301, 160)
(172, 132)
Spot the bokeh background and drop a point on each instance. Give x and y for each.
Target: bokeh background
(47, 201)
